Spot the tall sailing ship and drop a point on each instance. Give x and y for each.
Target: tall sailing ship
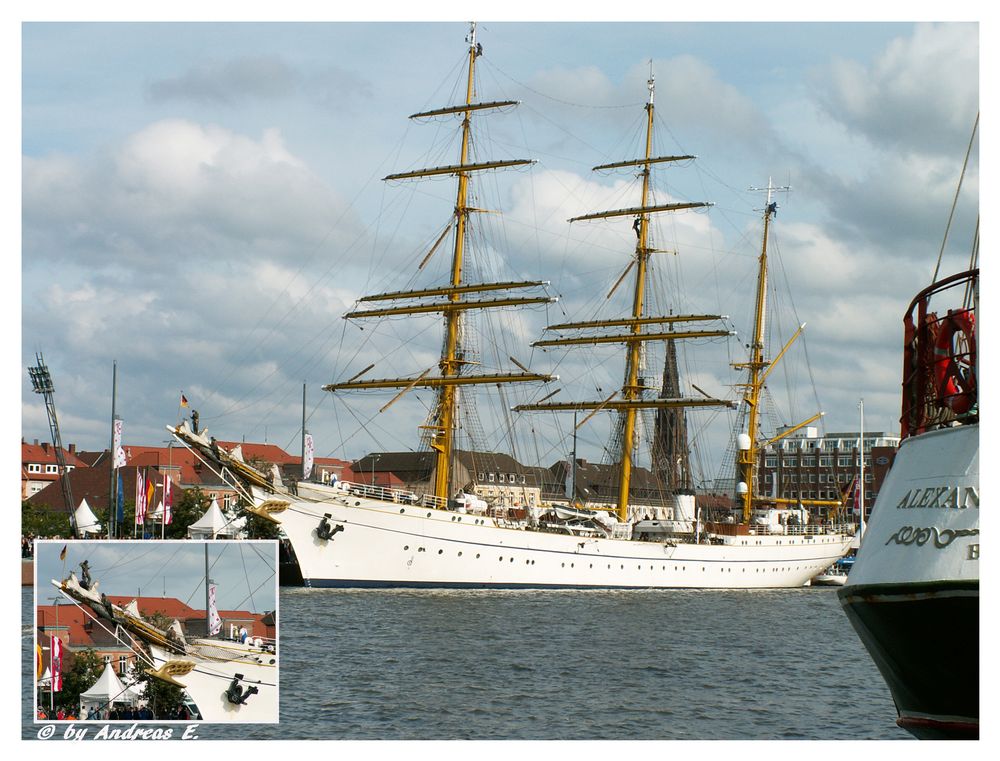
(361, 535)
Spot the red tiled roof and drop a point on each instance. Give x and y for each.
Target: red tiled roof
(46, 454)
(270, 453)
(71, 622)
(171, 607)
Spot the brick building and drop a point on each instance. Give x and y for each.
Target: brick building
(806, 465)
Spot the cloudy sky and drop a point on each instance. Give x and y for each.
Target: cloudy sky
(244, 572)
(202, 202)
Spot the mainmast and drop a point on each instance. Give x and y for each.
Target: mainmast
(630, 400)
(452, 299)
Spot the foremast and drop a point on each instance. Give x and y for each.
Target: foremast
(758, 368)
(629, 399)
(452, 299)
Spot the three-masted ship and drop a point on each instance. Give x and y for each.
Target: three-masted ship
(366, 536)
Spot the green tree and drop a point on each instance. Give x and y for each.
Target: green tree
(41, 521)
(164, 698)
(189, 508)
(86, 669)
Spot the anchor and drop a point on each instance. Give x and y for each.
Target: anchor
(236, 694)
(326, 531)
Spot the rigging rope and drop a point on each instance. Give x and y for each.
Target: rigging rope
(954, 202)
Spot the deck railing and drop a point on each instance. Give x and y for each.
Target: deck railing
(940, 363)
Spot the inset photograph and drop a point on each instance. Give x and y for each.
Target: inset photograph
(156, 631)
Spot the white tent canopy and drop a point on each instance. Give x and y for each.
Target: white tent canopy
(107, 689)
(157, 515)
(86, 521)
(213, 524)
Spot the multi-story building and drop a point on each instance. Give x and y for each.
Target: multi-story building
(39, 466)
(806, 465)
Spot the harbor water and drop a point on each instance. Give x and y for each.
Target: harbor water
(564, 665)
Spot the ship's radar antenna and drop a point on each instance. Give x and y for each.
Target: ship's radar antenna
(771, 207)
(471, 39)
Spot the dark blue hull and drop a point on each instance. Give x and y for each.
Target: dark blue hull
(924, 639)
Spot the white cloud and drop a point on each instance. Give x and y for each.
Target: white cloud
(171, 190)
(921, 93)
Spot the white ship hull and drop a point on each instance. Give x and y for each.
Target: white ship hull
(386, 544)
(208, 682)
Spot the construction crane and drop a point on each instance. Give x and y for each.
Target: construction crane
(41, 382)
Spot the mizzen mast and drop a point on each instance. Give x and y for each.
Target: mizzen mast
(758, 368)
(631, 399)
(451, 299)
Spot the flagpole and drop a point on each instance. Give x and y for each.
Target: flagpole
(208, 622)
(113, 493)
(861, 477)
(303, 430)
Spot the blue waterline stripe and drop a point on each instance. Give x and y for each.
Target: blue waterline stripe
(368, 584)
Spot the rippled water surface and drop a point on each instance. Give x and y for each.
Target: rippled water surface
(572, 665)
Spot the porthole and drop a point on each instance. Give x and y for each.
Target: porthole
(562, 565)
(356, 504)
(477, 556)
(572, 565)
(512, 560)
(440, 552)
(402, 510)
(406, 547)
(428, 515)
(501, 558)
(460, 553)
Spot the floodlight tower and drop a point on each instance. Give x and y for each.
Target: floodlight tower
(41, 382)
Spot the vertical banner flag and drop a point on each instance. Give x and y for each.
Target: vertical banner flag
(121, 500)
(55, 660)
(214, 622)
(140, 498)
(150, 492)
(168, 500)
(116, 447)
(307, 456)
(857, 495)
